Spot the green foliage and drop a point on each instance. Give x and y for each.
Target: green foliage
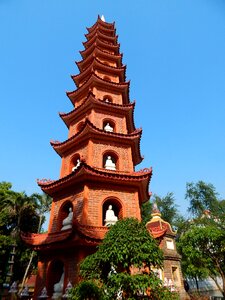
(18, 212)
(203, 250)
(167, 208)
(146, 210)
(86, 290)
(202, 196)
(124, 261)
(138, 285)
(127, 244)
(202, 240)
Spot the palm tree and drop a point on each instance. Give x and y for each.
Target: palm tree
(43, 206)
(20, 210)
(18, 213)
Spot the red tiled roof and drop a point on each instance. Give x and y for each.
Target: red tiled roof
(83, 64)
(103, 30)
(90, 101)
(88, 131)
(73, 235)
(111, 40)
(104, 24)
(96, 80)
(84, 172)
(97, 42)
(159, 228)
(96, 63)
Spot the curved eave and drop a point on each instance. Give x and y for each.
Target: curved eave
(159, 228)
(97, 42)
(89, 131)
(91, 102)
(79, 234)
(96, 81)
(85, 173)
(96, 63)
(100, 22)
(105, 39)
(103, 30)
(98, 52)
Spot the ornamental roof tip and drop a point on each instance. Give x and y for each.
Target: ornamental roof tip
(44, 181)
(145, 170)
(155, 208)
(55, 142)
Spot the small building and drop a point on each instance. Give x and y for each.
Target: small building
(163, 232)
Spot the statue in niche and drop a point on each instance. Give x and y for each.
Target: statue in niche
(68, 221)
(108, 128)
(110, 218)
(77, 165)
(109, 164)
(58, 288)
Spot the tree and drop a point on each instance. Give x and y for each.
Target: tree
(202, 242)
(124, 263)
(202, 197)
(166, 206)
(203, 250)
(43, 206)
(18, 212)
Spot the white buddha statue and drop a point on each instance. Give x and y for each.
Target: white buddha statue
(68, 221)
(58, 288)
(109, 164)
(77, 165)
(110, 218)
(108, 128)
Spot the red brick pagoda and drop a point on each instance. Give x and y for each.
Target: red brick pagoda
(98, 184)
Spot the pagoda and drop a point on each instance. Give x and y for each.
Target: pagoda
(98, 184)
(171, 274)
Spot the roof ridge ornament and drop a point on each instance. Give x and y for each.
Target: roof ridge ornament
(103, 18)
(155, 210)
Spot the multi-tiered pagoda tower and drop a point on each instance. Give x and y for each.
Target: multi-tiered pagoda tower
(98, 162)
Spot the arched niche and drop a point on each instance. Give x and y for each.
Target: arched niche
(108, 125)
(107, 78)
(54, 274)
(80, 126)
(116, 207)
(75, 162)
(110, 161)
(108, 98)
(63, 213)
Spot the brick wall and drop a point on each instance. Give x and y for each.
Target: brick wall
(99, 94)
(97, 197)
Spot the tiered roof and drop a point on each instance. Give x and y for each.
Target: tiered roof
(85, 172)
(101, 47)
(91, 102)
(96, 81)
(97, 64)
(157, 226)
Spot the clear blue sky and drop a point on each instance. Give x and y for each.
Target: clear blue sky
(175, 56)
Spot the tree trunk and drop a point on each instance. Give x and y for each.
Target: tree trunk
(196, 282)
(223, 279)
(220, 288)
(31, 258)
